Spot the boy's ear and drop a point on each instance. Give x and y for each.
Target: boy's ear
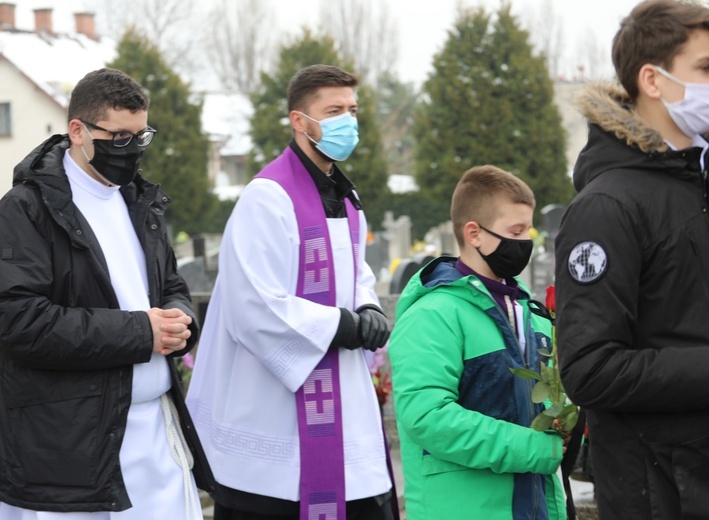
(647, 81)
(471, 232)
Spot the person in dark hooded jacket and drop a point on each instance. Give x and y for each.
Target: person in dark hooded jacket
(92, 310)
(632, 270)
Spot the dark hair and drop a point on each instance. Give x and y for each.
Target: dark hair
(305, 83)
(479, 192)
(654, 32)
(105, 89)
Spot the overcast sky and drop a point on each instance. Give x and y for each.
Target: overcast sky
(423, 24)
(426, 29)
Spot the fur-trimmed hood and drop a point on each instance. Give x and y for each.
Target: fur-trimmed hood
(619, 139)
(608, 106)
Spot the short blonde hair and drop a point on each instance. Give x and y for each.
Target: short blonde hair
(479, 192)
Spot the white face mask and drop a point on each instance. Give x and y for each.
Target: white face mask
(691, 115)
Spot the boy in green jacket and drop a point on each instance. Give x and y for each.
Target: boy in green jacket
(461, 324)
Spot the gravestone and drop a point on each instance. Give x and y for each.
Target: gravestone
(541, 274)
(398, 235)
(377, 254)
(199, 270)
(551, 220)
(195, 274)
(442, 238)
(542, 265)
(404, 271)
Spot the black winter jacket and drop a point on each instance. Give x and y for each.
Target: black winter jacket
(66, 349)
(632, 276)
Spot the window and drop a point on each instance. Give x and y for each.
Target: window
(5, 120)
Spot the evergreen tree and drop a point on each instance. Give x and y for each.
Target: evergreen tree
(396, 104)
(177, 156)
(271, 131)
(270, 126)
(489, 100)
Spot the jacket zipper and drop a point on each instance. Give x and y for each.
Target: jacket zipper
(535, 487)
(526, 360)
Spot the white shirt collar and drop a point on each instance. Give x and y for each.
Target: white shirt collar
(83, 180)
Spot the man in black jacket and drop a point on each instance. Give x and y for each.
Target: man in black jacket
(91, 311)
(632, 264)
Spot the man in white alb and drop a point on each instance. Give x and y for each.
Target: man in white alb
(281, 394)
(91, 311)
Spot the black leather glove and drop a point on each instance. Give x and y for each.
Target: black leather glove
(347, 334)
(374, 328)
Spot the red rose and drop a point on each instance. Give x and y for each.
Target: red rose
(551, 299)
(562, 414)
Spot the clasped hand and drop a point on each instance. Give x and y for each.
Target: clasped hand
(170, 330)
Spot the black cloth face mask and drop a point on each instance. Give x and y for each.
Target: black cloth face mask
(118, 166)
(510, 257)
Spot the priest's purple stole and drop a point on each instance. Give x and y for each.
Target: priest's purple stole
(322, 461)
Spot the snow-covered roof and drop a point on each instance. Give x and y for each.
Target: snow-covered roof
(402, 183)
(231, 192)
(226, 116)
(55, 63)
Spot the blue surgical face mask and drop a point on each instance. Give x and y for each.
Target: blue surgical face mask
(339, 136)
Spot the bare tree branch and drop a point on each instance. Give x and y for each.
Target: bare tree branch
(364, 33)
(238, 43)
(594, 56)
(165, 22)
(546, 33)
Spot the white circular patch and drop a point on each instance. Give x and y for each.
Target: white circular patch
(587, 262)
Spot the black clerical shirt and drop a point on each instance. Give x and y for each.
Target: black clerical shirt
(333, 188)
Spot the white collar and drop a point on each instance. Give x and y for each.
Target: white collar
(83, 180)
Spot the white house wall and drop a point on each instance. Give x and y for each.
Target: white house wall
(34, 118)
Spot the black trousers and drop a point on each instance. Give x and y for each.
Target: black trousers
(365, 509)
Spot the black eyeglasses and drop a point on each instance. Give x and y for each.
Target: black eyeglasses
(123, 137)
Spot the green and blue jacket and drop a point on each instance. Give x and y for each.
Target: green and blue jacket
(463, 417)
